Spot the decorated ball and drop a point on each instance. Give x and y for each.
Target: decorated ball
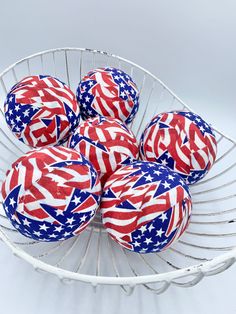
(145, 207)
(51, 194)
(181, 140)
(108, 92)
(106, 142)
(41, 110)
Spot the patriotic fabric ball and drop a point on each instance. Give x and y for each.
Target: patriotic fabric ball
(106, 143)
(51, 194)
(145, 207)
(41, 110)
(108, 92)
(181, 140)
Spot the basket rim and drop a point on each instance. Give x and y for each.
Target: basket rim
(223, 261)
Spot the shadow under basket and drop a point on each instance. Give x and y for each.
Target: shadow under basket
(205, 249)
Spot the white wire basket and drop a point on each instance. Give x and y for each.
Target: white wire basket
(205, 249)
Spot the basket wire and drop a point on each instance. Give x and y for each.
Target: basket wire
(206, 248)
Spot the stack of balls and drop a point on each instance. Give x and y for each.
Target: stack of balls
(85, 158)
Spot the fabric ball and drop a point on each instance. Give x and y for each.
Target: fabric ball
(41, 110)
(106, 143)
(51, 194)
(108, 92)
(181, 140)
(145, 207)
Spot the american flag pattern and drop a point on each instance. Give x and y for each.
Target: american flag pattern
(106, 142)
(41, 110)
(181, 140)
(145, 207)
(51, 194)
(108, 92)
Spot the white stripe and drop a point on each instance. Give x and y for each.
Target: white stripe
(119, 222)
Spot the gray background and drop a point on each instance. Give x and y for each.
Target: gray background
(191, 46)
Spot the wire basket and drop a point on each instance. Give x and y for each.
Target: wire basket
(205, 249)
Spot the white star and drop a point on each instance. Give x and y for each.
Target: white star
(116, 77)
(76, 200)
(151, 228)
(13, 217)
(37, 233)
(12, 201)
(26, 222)
(157, 244)
(148, 240)
(164, 242)
(169, 155)
(17, 107)
(58, 229)
(73, 143)
(17, 128)
(122, 94)
(70, 114)
(10, 112)
(94, 175)
(87, 99)
(26, 113)
(157, 172)
(66, 234)
(43, 227)
(90, 83)
(10, 99)
(59, 212)
(89, 111)
(164, 162)
(160, 232)
(83, 218)
(52, 236)
(198, 120)
(136, 243)
(196, 176)
(163, 217)
(188, 115)
(143, 228)
(122, 84)
(170, 177)
(11, 121)
(148, 178)
(70, 220)
(202, 128)
(166, 185)
(80, 96)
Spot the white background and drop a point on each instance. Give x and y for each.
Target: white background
(191, 46)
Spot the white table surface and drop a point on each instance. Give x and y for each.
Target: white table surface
(191, 46)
